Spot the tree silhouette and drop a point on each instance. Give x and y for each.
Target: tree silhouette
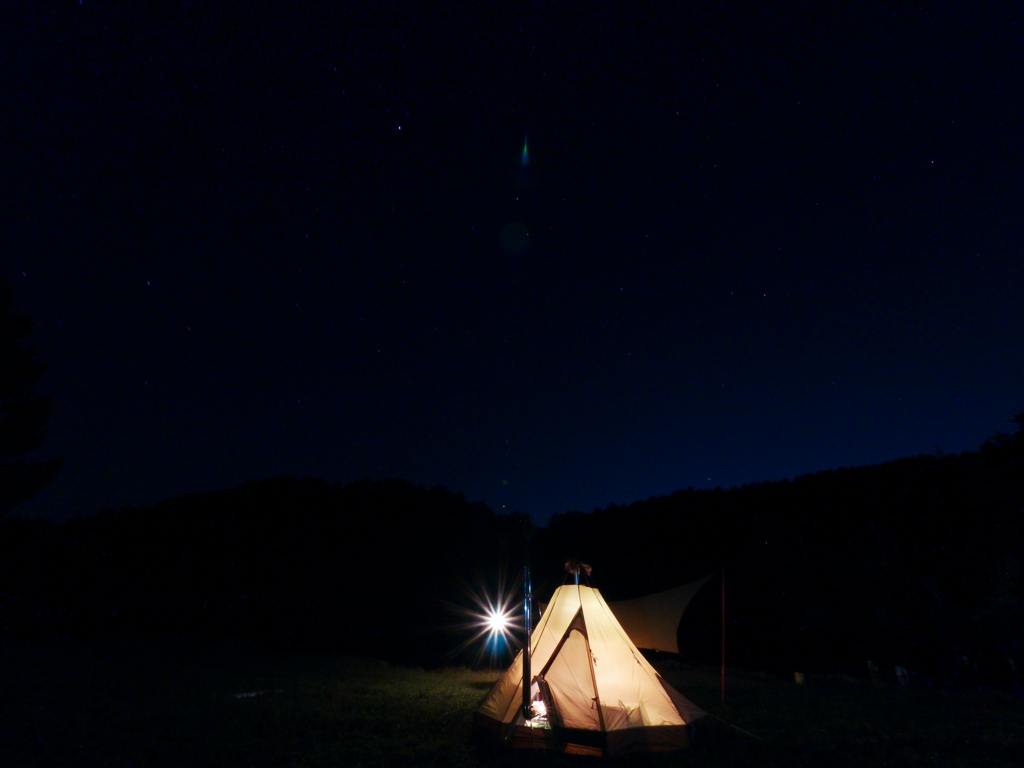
(23, 414)
(1005, 440)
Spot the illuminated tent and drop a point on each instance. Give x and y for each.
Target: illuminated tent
(592, 691)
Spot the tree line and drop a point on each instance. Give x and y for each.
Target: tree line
(915, 562)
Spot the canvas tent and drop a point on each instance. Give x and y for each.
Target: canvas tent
(592, 690)
(652, 621)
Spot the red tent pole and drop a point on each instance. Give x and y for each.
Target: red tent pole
(723, 635)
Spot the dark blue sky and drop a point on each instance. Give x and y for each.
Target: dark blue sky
(761, 243)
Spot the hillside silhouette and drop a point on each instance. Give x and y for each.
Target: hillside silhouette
(915, 562)
(365, 566)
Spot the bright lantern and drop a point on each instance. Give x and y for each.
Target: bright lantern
(497, 621)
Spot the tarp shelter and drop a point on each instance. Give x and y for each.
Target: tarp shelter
(652, 621)
(592, 690)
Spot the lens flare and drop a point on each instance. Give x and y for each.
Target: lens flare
(497, 621)
(491, 625)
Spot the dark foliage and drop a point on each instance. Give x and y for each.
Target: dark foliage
(915, 563)
(23, 413)
(366, 567)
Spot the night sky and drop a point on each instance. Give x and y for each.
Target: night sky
(748, 243)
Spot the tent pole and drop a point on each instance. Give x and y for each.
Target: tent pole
(527, 673)
(723, 635)
(593, 681)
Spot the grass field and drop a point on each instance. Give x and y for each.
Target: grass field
(145, 702)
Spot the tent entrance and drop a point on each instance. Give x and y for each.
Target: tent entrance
(568, 684)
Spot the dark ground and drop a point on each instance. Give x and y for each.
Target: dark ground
(142, 702)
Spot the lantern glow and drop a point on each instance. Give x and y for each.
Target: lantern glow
(497, 620)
